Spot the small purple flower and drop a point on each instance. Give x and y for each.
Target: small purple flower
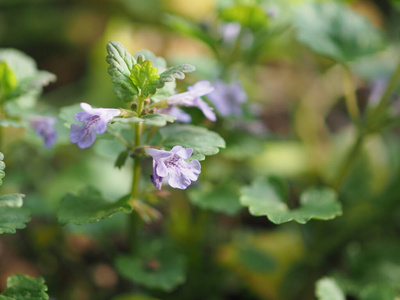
(228, 98)
(94, 122)
(191, 98)
(172, 165)
(44, 127)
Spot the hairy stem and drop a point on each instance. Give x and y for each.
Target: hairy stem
(134, 217)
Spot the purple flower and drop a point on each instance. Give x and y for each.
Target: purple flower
(44, 127)
(228, 98)
(94, 122)
(176, 112)
(172, 165)
(191, 98)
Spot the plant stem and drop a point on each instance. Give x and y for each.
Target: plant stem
(385, 97)
(134, 217)
(349, 160)
(350, 95)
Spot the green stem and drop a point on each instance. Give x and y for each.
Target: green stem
(350, 95)
(134, 217)
(349, 160)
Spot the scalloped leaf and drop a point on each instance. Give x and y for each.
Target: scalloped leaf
(2, 167)
(157, 265)
(203, 141)
(327, 289)
(334, 30)
(121, 63)
(266, 198)
(177, 72)
(12, 215)
(222, 198)
(23, 287)
(150, 119)
(89, 206)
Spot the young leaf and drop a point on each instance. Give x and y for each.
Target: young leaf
(159, 120)
(266, 198)
(22, 287)
(144, 76)
(27, 77)
(157, 265)
(203, 141)
(12, 215)
(121, 63)
(158, 62)
(8, 79)
(89, 206)
(327, 289)
(334, 30)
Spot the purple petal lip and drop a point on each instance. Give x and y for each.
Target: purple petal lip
(94, 121)
(172, 166)
(192, 98)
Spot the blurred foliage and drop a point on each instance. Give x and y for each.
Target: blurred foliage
(288, 55)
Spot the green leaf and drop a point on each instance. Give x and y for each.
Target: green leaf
(177, 72)
(203, 141)
(89, 206)
(327, 289)
(334, 30)
(121, 159)
(382, 291)
(252, 16)
(221, 198)
(255, 259)
(27, 77)
(266, 198)
(8, 79)
(158, 62)
(157, 265)
(121, 63)
(11, 200)
(12, 215)
(189, 28)
(22, 287)
(150, 119)
(2, 167)
(163, 93)
(133, 297)
(145, 77)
